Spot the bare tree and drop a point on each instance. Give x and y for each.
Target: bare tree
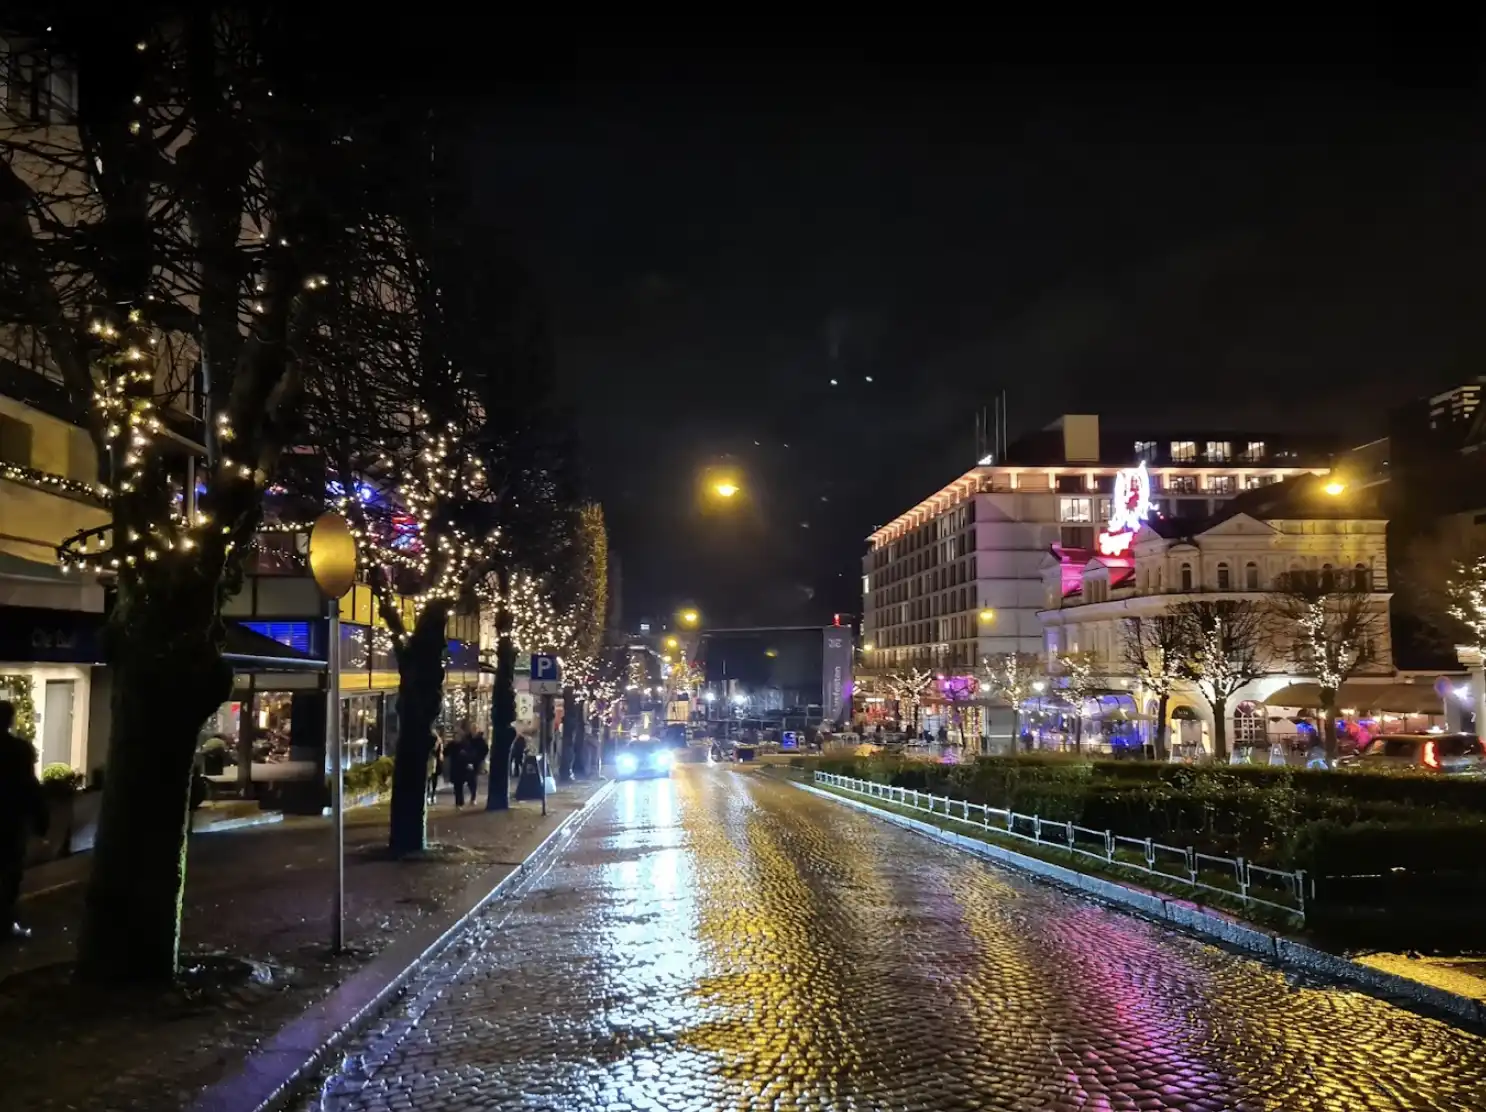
(166, 240)
(908, 689)
(1328, 626)
(1011, 676)
(1082, 679)
(1226, 641)
(1156, 650)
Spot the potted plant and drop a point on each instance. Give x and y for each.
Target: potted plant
(213, 756)
(60, 784)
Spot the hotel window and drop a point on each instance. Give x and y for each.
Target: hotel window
(15, 441)
(1254, 453)
(1183, 451)
(1224, 579)
(1180, 484)
(1251, 576)
(1078, 510)
(1253, 482)
(1186, 577)
(1361, 578)
(1219, 451)
(1071, 484)
(1220, 484)
(1145, 450)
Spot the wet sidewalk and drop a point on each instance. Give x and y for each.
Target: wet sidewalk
(261, 893)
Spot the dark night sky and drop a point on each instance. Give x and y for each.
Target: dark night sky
(1288, 241)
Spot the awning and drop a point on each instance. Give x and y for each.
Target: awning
(33, 569)
(1396, 698)
(249, 651)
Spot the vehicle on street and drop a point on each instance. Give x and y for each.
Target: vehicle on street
(674, 734)
(1445, 754)
(644, 759)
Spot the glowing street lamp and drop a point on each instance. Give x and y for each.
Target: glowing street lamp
(725, 489)
(672, 643)
(1335, 487)
(690, 617)
(987, 616)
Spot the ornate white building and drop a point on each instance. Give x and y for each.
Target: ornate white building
(1141, 568)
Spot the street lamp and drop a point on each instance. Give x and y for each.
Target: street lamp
(987, 616)
(671, 642)
(725, 489)
(1335, 487)
(690, 617)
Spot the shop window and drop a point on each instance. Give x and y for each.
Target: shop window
(1076, 510)
(1251, 576)
(1180, 484)
(1220, 484)
(1249, 724)
(15, 441)
(1224, 580)
(1186, 577)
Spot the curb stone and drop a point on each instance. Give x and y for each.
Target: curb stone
(272, 1073)
(1275, 948)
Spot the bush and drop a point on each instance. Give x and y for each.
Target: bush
(372, 777)
(213, 745)
(61, 779)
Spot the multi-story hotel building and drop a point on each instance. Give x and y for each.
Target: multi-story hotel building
(959, 576)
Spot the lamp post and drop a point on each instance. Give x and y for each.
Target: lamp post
(1473, 659)
(333, 566)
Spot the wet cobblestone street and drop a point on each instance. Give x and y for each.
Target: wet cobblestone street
(722, 940)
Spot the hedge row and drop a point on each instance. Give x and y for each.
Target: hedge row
(1260, 813)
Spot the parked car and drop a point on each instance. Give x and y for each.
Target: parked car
(1446, 754)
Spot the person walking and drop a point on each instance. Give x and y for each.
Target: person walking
(457, 761)
(479, 750)
(435, 762)
(22, 810)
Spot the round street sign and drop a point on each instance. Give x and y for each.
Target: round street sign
(332, 555)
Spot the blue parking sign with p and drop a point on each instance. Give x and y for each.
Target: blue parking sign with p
(544, 666)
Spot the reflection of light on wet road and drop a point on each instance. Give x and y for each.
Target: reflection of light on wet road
(721, 940)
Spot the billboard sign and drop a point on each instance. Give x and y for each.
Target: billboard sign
(835, 699)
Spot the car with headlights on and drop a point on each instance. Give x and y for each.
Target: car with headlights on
(644, 759)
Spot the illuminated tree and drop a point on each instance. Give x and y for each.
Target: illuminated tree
(165, 242)
(1080, 679)
(1156, 650)
(1328, 626)
(908, 690)
(1011, 676)
(1225, 643)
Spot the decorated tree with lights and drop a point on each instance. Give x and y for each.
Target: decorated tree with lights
(1080, 677)
(583, 587)
(1012, 676)
(908, 690)
(165, 240)
(1328, 625)
(1225, 643)
(1155, 650)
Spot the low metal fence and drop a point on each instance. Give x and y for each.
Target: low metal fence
(1281, 889)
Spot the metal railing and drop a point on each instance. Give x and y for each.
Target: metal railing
(1280, 889)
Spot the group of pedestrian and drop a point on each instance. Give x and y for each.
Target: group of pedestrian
(461, 761)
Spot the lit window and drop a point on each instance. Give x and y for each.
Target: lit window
(1219, 451)
(1254, 452)
(1076, 510)
(1145, 450)
(1220, 484)
(1183, 451)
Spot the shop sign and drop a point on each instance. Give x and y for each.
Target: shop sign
(1130, 508)
(50, 636)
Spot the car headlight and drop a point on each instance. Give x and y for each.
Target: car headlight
(627, 763)
(664, 758)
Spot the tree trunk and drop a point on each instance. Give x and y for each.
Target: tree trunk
(569, 727)
(168, 676)
(502, 712)
(581, 763)
(1160, 734)
(1328, 725)
(1220, 730)
(420, 689)
(1078, 731)
(1016, 728)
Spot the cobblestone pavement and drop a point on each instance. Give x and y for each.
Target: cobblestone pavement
(724, 941)
(261, 893)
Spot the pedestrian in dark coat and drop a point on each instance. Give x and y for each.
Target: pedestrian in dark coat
(479, 749)
(435, 762)
(457, 757)
(23, 810)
